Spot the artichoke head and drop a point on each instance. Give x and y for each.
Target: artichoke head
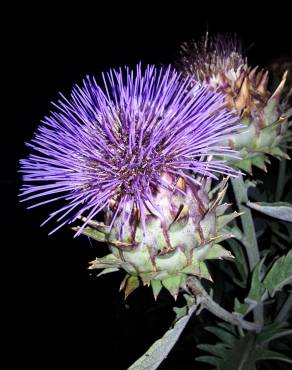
(265, 116)
(179, 235)
(219, 63)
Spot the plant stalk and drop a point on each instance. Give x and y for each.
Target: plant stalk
(207, 302)
(249, 235)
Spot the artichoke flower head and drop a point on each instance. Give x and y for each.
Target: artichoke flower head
(182, 231)
(140, 153)
(218, 62)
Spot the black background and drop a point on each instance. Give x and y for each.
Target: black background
(59, 314)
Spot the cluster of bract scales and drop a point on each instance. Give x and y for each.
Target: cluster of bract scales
(182, 233)
(219, 63)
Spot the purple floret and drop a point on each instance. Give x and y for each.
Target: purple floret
(115, 142)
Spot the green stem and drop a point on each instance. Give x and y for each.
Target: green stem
(249, 236)
(207, 302)
(283, 313)
(280, 180)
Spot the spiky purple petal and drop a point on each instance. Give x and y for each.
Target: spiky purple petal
(115, 143)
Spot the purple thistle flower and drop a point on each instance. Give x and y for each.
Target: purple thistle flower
(116, 143)
(213, 58)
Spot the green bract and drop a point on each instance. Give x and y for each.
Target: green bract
(181, 233)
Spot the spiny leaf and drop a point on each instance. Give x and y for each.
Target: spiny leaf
(240, 259)
(180, 311)
(279, 274)
(237, 355)
(273, 331)
(272, 355)
(183, 311)
(255, 294)
(241, 352)
(161, 348)
(218, 349)
(280, 210)
(228, 327)
(241, 308)
(256, 290)
(236, 352)
(222, 334)
(209, 360)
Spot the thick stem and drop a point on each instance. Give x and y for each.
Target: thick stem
(249, 236)
(207, 302)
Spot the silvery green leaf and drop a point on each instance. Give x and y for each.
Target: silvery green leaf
(240, 261)
(209, 360)
(237, 353)
(218, 349)
(241, 308)
(183, 311)
(273, 331)
(279, 210)
(257, 289)
(224, 335)
(272, 355)
(230, 328)
(161, 348)
(255, 294)
(279, 274)
(242, 352)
